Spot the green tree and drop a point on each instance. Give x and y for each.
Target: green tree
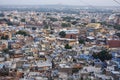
(6, 37)
(66, 25)
(74, 22)
(5, 50)
(2, 15)
(46, 26)
(102, 55)
(4, 71)
(21, 32)
(53, 19)
(117, 27)
(68, 18)
(10, 23)
(62, 34)
(23, 20)
(48, 13)
(15, 17)
(82, 41)
(118, 34)
(67, 46)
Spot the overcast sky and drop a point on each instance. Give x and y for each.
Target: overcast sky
(64, 2)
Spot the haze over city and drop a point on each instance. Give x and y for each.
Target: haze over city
(60, 2)
(59, 39)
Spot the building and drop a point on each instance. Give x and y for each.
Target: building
(71, 34)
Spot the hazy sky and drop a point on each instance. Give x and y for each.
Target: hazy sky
(64, 2)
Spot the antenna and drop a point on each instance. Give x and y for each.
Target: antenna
(117, 2)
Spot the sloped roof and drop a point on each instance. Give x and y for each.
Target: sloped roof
(114, 43)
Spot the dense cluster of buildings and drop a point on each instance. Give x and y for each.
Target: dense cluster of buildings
(32, 49)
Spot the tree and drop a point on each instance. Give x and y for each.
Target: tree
(118, 34)
(67, 46)
(46, 26)
(15, 17)
(5, 50)
(9, 23)
(117, 27)
(48, 13)
(62, 34)
(102, 55)
(66, 25)
(82, 41)
(74, 22)
(93, 20)
(51, 32)
(24, 33)
(6, 37)
(23, 20)
(4, 71)
(68, 19)
(2, 15)
(53, 19)
(75, 70)
(33, 28)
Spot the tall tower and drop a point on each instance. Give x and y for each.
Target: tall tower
(77, 42)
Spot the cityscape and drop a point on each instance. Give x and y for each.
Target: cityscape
(59, 42)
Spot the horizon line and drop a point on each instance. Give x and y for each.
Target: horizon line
(56, 5)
